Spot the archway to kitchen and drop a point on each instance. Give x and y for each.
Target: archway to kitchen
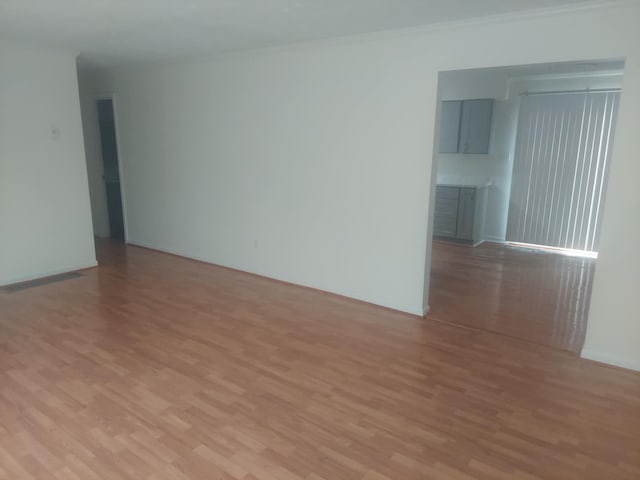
(522, 162)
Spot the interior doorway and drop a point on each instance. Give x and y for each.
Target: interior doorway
(110, 165)
(517, 217)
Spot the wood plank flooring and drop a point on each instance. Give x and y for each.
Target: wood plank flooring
(537, 297)
(156, 367)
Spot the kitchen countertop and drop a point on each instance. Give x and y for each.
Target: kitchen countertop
(464, 181)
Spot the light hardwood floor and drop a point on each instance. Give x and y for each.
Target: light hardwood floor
(537, 297)
(157, 367)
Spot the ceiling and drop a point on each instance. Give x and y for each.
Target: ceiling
(115, 31)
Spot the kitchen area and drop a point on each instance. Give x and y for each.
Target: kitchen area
(474, 161)
(483, 274)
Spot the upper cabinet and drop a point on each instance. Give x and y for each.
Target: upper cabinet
(465, 126)
(450, 116)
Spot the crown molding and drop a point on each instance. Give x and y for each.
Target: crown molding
(382, 35)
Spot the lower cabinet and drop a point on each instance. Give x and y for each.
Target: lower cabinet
(460, 214)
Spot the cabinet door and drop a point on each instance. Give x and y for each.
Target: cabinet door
(475, 126)
(466, 214)
(446, 212)
(450, 126)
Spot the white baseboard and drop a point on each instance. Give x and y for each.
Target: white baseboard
(420, 312)
(631, 364)
(495, 240)
(48, 273)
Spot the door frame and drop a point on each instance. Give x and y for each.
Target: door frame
(94, 101)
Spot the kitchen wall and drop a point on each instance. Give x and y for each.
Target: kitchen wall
(565, 82)
(498, 163)
(45, 220)
(505, 86)
(313, 164)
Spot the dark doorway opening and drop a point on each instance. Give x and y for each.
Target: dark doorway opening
(111, 172)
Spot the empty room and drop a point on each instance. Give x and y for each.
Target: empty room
(319, 240)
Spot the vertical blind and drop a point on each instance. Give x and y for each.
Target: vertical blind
(560, 168)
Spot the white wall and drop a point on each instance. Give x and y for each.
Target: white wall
(45, 221)
(613, 332)
(314, 164)
(254, 163)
